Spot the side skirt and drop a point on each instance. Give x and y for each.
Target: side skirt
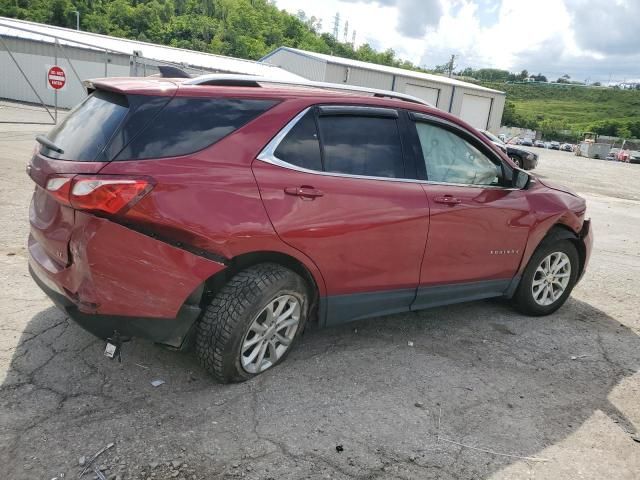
(339, 309)
(435, 296)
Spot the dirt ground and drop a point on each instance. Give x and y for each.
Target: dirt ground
(479, 388)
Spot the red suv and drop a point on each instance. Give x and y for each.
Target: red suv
(233, 211)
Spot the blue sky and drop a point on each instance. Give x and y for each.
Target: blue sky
(594, 40)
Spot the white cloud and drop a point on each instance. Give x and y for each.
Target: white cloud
(584, 38)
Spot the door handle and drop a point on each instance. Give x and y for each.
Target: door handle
(447, 200)
(304, 192)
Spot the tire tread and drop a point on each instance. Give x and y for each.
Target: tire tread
(226, 313)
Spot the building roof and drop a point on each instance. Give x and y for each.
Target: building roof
(10, 27)
(348, 62)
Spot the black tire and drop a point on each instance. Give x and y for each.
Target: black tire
(524, 300)
(228, 317)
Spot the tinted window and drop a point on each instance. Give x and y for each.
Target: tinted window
(88, 128)
(451, 159)
(361, 146)
(142, 110)
(301, 146)
(186, 125)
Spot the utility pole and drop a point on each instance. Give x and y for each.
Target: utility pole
(346, 31)
(451, 65)
(336, 25)
(77, 19)
(353, 39)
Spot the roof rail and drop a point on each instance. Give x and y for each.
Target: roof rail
(233, 80)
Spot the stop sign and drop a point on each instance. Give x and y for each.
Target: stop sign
(56, 77)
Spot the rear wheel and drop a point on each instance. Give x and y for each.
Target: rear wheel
(548, 279)
(251, 325)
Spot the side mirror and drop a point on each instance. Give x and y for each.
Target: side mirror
(519, 178)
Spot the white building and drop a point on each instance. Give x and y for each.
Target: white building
(34, 47)
(481, 107)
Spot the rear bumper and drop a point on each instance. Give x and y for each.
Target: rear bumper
(119, 279)
(168, 331)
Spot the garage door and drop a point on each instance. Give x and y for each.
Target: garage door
(425, 93)
(475, 110)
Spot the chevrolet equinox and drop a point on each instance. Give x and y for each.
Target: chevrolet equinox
(234, 210)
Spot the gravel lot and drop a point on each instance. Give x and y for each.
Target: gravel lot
(480, 387)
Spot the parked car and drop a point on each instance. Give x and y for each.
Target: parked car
(520, 157)
(554, 145)
(235, 211)
(539, 144)
(566, 147)
(527, 142)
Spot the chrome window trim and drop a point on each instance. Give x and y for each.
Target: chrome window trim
(267, 155)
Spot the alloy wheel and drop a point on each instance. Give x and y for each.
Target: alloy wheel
(551, 278)
(271, 334)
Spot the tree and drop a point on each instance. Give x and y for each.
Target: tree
(509, 117)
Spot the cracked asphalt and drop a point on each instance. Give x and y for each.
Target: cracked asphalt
(481, 391)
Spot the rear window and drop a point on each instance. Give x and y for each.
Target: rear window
(186, 125)
(109, 126)
(84, 133)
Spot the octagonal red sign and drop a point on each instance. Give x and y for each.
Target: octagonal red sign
(56, 77)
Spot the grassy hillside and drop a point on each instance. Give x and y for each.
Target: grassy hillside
(554, 108)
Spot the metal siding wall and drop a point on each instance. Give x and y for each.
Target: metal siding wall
(358, 76)
(495, 120)
(34, 57)
(309, 68)
(445, 90)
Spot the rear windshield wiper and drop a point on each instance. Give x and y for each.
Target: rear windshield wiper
(42, 140)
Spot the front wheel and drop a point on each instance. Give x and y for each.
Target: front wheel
(548, 279)
(252, 323)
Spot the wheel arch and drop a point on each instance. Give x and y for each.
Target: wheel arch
(560, 231)
(243, 261)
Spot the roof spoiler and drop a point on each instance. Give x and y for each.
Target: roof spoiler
(168, 71)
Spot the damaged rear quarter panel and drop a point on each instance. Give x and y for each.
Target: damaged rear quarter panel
(125, 272)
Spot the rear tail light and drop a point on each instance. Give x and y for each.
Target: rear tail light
(59, 188)
(99, 194)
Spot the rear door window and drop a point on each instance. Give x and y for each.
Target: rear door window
(186, 125)
(361, 145)
(87, 130)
